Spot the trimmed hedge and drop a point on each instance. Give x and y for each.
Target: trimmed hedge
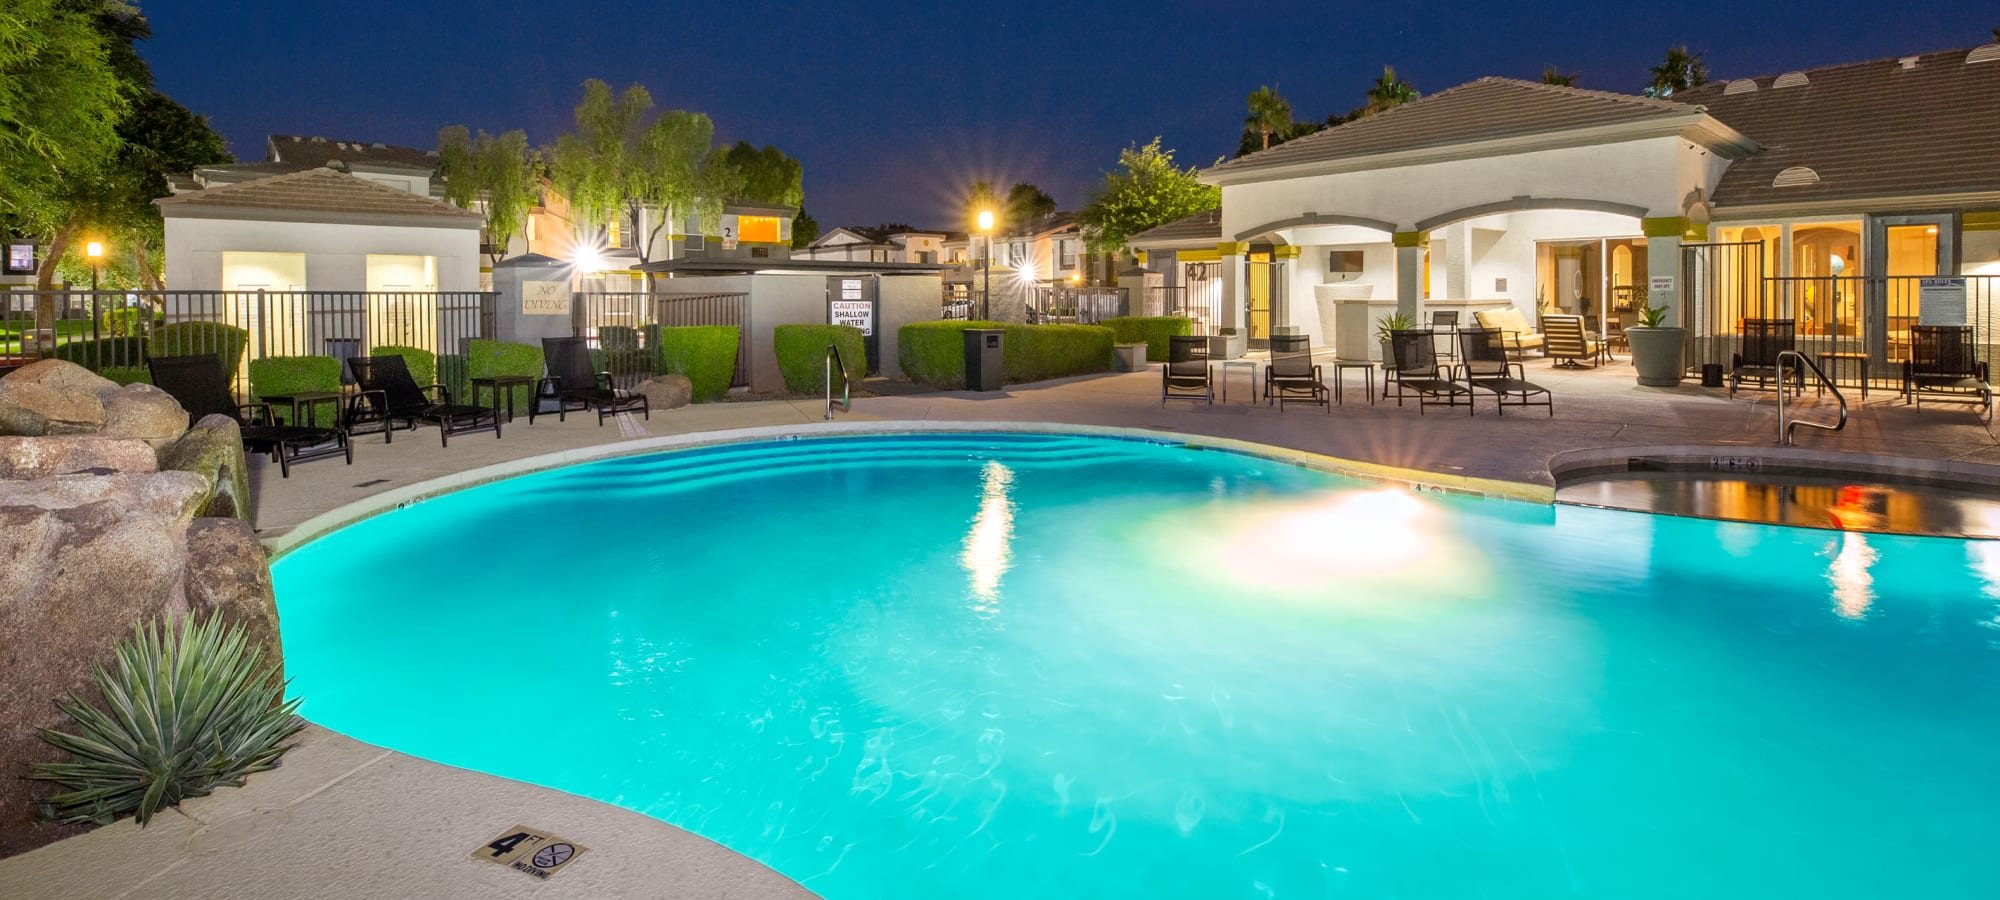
(227, 342)
(801, 353)
(1153, 331)
(456, 376)
(104, 353)
(933, 353)
(422, 363)
(487, 358)
(282, 375)
(127, 374)
(706, 354)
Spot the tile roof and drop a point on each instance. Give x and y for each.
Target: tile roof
(1483, 110)
(316, 152)
(1200, 227)
(1869, 129)
(319, 195)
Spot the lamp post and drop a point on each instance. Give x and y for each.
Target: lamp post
(986, 266)
(95, 251)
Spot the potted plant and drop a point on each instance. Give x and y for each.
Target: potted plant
(1656, 348)
(1388, 325)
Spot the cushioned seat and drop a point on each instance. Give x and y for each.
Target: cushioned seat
(1518, 335)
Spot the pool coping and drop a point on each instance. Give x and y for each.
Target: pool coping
(1574, 466)
(346, 514)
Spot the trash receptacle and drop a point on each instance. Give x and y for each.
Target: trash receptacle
(985, 359)
(1711, 374)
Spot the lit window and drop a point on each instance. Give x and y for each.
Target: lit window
(757, 229)
(20, 258)
(614, 234)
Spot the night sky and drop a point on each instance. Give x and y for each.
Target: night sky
(895, 107)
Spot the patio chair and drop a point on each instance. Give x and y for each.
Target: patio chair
(1515, 332)
(1763, 340)
(1487, 368)
(388, 394)
(1444, 323)
(201, 386)
(572, 384)
(1566, 342)
(1291, 376)
(1944, 362)
(1417, 371)
(1186, 375)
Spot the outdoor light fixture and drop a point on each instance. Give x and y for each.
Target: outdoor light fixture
(95, 251)
(587, 259)
(986, 266)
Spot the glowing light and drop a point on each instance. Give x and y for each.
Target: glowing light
(1853, 587)
(988, 552)
(93, 249)
(1348, 535)
(985, 220)
(587, 259)
(1076, 278)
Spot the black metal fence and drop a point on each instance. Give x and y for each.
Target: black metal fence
(1056, 303)
(956, 304)
(623, 328)
(118, 330)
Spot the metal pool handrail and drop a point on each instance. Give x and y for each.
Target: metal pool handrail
(1785, 428)
(833, 357)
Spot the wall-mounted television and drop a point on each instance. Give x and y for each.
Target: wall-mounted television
(1343, 262)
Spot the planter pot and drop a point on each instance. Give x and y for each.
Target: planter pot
(1656, 353)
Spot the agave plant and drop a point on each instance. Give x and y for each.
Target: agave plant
(189, 710)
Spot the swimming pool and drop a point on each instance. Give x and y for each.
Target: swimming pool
(1016, 665)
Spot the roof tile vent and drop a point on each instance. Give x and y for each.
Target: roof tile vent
(1791, 79)
(1741, 86)
(318, 140)
(1907, 62)
(1988, 53)
(1795, 176)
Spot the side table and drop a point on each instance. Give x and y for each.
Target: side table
(1250, 365)
(502, 386)
(1839, 356)
(305, 400)
(1367, 372)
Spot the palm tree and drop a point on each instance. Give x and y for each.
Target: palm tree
(1269, 114)
(1551, 76)
(1680, 71)
(1389, 91)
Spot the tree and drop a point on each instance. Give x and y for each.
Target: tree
(769, 176)
(1551, 75)
(1389, 91)
(677, 168)
(498, 174)
(805, 229)
(1027, 203)
(589, 166)
(1149, 191)
(1269, 115)
(60, 104)
(1680, 71)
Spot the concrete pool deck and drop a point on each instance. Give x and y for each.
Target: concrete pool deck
(345, 819)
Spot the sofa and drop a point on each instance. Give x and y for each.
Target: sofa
(1516, 334)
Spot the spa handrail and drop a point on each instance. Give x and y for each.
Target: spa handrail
(832, 358)
(1785, 428)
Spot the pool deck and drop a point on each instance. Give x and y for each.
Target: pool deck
(345, 819)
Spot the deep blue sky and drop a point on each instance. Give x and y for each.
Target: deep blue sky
(895, 106)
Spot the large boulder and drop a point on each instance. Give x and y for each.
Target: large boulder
(228, 573)
(86, 558)
(51, 396)
(667, 391)
(213, 449)
(145, 412)
(41, 457)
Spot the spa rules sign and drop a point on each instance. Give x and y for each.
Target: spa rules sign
(544, 298)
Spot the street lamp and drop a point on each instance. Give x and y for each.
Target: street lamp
(986, 266)
(95, 251)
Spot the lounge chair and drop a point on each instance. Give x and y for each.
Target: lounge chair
(201, 386)
(1517, 335)
(1417, 371)
(388, 394)
(1444, 323)
(1566, 342)
(1763, 340)
(1944, 362)
(1291, 376)
(1186, 375)
(572, 384)
(1487, 368)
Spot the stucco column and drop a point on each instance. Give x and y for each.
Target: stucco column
(1283, 261)
(1235, 289)
(1663, 265)
(1409, 271)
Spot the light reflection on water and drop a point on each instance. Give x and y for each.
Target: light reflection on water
(988, 553)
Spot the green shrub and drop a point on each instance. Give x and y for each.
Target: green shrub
(489, 358)
(456, 376)
(706, 354)
(286, 375)
(123, 322)
(103, 353)
(127, 374)
(934, 352)
(193, 709)
(422, 363)
(1153, 331)
(189, 338)
(801, 353)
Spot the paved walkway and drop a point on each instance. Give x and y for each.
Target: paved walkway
(344, 819)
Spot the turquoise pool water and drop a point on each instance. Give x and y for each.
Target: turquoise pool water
(985, 666)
